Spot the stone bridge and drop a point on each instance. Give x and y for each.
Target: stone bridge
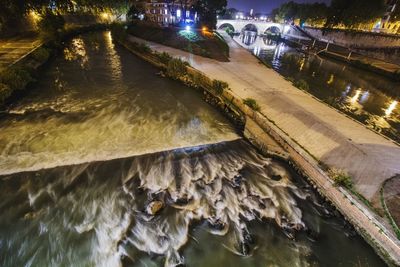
(261, 27)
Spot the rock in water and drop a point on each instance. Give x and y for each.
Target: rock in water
(245, 248)
(154, 207)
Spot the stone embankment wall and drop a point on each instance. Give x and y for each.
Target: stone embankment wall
(385, 47)
(356, 39)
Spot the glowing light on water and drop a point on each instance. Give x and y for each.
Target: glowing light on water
(302, 62)
(115, 60)
(390, 109)
(355, 98)
(77, 51)
(331, 79)
(364, 97)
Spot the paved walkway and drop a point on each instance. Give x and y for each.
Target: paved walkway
(328, 135)
(12, 50)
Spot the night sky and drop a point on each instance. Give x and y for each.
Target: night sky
(264, 6)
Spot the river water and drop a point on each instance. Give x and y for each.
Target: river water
(102, 138)
(367, 97)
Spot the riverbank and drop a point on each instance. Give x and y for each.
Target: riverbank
(361, 217)
(20, 72)
(196, 41)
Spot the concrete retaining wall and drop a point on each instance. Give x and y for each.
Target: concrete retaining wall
(391, 55)
(355, 39)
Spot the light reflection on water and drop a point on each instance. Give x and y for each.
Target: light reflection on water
(369, 98)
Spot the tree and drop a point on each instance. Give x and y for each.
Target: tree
(353, 13)
(395, 16)
(230, 13)
(304, 12)
(136, 9)
(208, 11)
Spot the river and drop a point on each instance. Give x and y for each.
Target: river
(367, 97)
(102, 139)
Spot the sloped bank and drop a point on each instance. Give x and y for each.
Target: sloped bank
(267, 136)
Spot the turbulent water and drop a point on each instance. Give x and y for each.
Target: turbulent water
(367, 97)
(100, 103)
(202, 197)
(225, 196)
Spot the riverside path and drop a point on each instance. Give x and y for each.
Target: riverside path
(12, 50)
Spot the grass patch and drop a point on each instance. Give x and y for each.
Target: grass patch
(341, 178)
(205, 44)
(302, 85)
(252, 103)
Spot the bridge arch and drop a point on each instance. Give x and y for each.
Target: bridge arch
(226, 25)
(250, 27)
(239, 25)
(273, 30)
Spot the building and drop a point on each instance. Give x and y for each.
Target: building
(166, 12)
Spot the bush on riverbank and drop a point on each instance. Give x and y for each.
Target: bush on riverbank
(302, 85)
(341, 178)
(219, 86)
(164, 57)
(198, 42)
(176, 68)
(16, 78)
(252, 103)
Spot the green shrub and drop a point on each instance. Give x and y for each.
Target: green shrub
(302, 84)
(200, 80)
(164, 57)
(16, 78)
(5, 92)
(176, 68)
(144, 48)
(252, 104)
(341, 178)
(219, 86)
(41, 55)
